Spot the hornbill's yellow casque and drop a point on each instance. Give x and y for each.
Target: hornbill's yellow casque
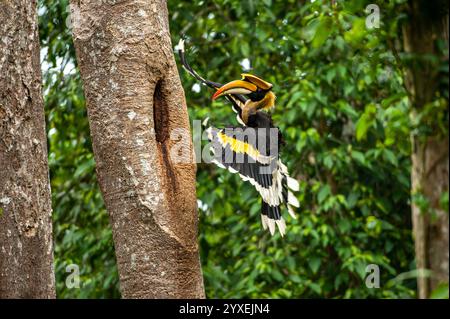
(251, 150)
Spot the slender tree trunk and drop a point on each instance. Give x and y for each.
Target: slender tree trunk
(26, 249)
(142, 144)
(428, 22)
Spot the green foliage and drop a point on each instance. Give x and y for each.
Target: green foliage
(343, 112)
(441, 292)
(342, 107)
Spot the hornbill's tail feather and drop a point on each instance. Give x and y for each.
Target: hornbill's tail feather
(288, 186)
(271, 216)
(190, 70)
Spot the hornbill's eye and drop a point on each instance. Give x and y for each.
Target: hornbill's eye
(258, 95)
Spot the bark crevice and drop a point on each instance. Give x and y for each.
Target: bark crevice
(162, 134)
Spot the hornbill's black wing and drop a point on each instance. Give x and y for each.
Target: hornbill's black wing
(251, 154)
(237, 100)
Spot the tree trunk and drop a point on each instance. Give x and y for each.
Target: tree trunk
(26, 249)
(142, 145)
(428, 22)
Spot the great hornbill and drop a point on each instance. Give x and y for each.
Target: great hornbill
(251, 150)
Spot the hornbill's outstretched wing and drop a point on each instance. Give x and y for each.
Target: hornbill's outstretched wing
(247, 152)
(251, 150)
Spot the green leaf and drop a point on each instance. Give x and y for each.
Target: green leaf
(323, 30)
(328, 161)
(82, 169)
(358, 31)
(441, 292)
(444, 201)
(390, 156)
(359, 157)
(315, 287)
(245, 49)
(362, 126)
(344, 225)
(277, 275)
(324, 192)
(352, 199)
(309, 31)
(294, 98)
(331, 74)
(314, 263)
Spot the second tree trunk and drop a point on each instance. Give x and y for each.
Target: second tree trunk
(26, 248)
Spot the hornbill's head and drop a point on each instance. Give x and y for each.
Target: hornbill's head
(258, 91)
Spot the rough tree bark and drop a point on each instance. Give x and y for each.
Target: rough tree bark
(26, 249)
(428, 22)
(139, 126)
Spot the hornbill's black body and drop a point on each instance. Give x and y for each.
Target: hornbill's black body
(251, 149)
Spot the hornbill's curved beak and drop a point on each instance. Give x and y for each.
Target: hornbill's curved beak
(247, 85)
(235, 87)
